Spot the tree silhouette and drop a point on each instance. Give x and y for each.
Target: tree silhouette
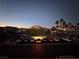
(77, 24)
(61, 20)
(69, 24)
(57, 22)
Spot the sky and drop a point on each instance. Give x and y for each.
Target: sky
(26, 13)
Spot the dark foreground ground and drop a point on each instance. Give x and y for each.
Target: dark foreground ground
(45, 50)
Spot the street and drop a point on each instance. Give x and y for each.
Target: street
(45, 50)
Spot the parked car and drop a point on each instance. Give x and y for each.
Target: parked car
(64, 40)
(44, 40)
(56, 40)
(32, 40)
(50, 40)
(18, 41)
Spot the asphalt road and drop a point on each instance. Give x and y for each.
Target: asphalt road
(48, 50)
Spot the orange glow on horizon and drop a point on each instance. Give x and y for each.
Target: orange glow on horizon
(15, 25)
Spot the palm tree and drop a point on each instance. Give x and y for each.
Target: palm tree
(66, 27)
(53, 28)
(77, 26)
(57, 22)
(61, 20)
(64, 23)
(69, 24)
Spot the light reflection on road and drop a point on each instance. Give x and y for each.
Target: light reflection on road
(38, 49)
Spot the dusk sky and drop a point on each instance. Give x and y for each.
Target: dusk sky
(26, 13)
